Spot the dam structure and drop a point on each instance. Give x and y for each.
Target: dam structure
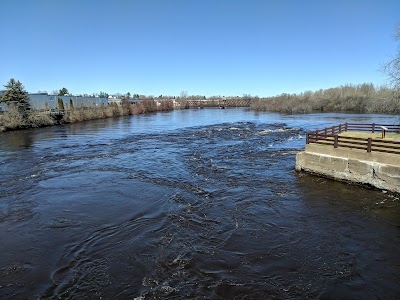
(367, 154)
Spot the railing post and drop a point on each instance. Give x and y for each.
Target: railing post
(369, 144)
(373, 127)
(316, 135)
(340, 128)
(307, 138)
(333, 129)
(345, 126)
(326, 132)
(335, 142)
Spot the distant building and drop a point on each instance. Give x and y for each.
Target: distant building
(46, 101)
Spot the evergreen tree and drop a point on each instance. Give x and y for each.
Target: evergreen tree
(63, 92)
(15, 95)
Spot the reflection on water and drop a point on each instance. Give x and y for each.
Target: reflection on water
(14, 141)
(189, 204)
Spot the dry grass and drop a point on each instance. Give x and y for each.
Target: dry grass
(376, 136)
(377, 146)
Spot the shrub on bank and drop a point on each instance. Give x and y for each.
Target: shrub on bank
(39, 119)
(81, 114)
(12, 119)
(166, 105)
(17, 119)
(147, 106)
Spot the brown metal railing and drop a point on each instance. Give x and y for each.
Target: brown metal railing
(330, 136)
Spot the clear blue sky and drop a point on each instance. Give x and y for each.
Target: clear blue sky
(207, 47)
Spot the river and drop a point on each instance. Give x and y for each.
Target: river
(189, 204)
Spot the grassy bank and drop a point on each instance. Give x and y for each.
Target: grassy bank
(15, 119)
(363, 98)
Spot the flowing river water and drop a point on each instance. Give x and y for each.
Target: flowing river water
(190, 204)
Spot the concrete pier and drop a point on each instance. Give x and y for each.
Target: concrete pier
(381, 170)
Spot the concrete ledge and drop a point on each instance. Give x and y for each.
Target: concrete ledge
(385, 158)
(379, 170)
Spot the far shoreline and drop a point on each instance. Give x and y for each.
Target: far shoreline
(85, 114)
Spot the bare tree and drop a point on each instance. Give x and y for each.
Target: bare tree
(392, 68)
(184, 95)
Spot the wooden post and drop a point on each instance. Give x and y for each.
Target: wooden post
(326, 132)
(316, 135)
(373, 127)
(307, 139)
(369, 144)
(340, 128)
(335, 142)
(345, 126)
(333, 129)
(383, 131)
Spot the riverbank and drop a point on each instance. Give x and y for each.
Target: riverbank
(15, 119)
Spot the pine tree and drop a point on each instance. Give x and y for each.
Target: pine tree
(63, 92)
(15, 95)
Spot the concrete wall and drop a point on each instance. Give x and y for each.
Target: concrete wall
(377, 169)
(45, 101)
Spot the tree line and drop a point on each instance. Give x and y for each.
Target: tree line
(361, 98)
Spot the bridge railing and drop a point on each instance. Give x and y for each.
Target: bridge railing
(331, 136)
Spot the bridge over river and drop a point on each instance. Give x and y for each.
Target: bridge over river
(222, 103)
